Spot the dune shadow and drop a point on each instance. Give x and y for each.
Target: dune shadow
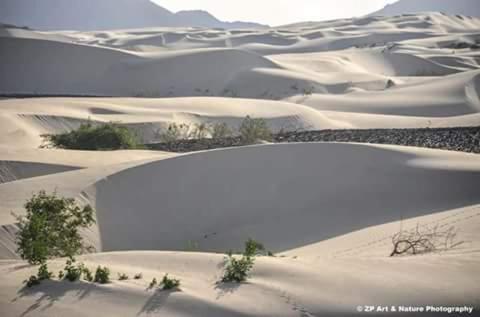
(156, 301)
(50, 292)
(224, 289)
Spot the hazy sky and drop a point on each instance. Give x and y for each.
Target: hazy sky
(276, 12)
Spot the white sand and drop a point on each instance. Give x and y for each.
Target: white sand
(327, 210)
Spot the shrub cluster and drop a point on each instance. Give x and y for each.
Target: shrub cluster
(102, 275)
(89, 137)
(170, 283)
(50, 229)
(251, 130)
(237, 269)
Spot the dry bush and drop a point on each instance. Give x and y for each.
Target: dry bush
(424, 240)
(200, 131)
(174, 132)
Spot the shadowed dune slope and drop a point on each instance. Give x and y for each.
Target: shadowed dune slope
(11, 170)
(48, 67)
(285, 195)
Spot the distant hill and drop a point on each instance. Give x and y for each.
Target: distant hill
(89, 15)
(463, 7)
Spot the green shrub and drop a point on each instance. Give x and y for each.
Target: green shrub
(220, 131)
(87, 274)
(122, 277)
(252, 130)
(236, 270)
(102, 275)
(61, 275)
(32, 281)
(170, 283)
(253, 247)
(107, 136)
(43, 273)
(138, 276)
(50, 228)
(73, 272)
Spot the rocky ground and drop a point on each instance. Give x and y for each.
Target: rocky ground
(455, 139)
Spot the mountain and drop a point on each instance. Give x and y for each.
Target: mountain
(89, 15)
(463, 7)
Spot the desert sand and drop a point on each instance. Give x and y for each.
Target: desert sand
(328, 211)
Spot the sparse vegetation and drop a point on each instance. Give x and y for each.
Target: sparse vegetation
(200, 131)
(87, 274)
(50, 229)
(43, 273)
(73, 272)
(32, 281)
(170, 283)
(102, 275)
(89, 137)
(253, 129)
(174, 132)
(122, 277)
(138, 276)
(423, 240)
(220, 131)
(237, 269)
(253, 247)
(308, 91)
(153, 283)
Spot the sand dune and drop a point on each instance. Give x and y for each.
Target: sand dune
(300, 281)
(317, 173)
(328, 210)
(306, 203)
(440, 97)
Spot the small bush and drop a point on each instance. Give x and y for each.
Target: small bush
(424, 240)
(122, 277)
(220, 131)
(61, 275)
(252, 130)
(236, 270)
(153, 283)
(102, 275)
(253, 247)
(73, 272)
(43, 273)
(199, 131)
(108, 136)
(138, 276)
(170, 283)
(32, 281)
(87, 274)
(174, 133)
